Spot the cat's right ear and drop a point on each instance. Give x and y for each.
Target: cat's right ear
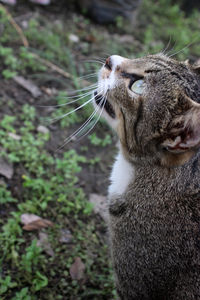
(183, 135)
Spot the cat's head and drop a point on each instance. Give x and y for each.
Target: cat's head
(152, 103)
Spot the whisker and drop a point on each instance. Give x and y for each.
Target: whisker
(89, 76)
(80, 95)
(168, 44)
(99, 116)
(92, 86)
(95, 61)
(70, 112)
(81, 128)
(106, 55)
(187, 46)
(70, 102)
(172, 48)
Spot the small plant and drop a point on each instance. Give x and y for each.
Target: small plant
(23, 295)
(182, 32)
(6, 284)
(5, 196)
(100, 141)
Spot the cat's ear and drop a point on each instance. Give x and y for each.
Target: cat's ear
(196, 66)
(184, 131)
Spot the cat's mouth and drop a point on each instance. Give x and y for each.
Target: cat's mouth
(99, 99)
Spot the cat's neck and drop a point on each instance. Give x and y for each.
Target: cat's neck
(123, 173)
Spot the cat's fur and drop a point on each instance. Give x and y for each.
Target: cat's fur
(154, 218)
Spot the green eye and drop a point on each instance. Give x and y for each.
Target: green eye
(138, 86)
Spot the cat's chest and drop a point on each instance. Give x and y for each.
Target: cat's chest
(122, 175)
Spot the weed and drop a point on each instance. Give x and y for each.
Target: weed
(181, 31)
(6, 284)
(5, 196)
(100, 141)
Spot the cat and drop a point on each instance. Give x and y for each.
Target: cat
(154, 197)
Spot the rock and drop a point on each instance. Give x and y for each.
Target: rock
(65, 236)
(43, 242)
(28, 85)
(6, 168)
(73, 38)
(42, 129)
(14, 136)
(77, 269)
(100, 205)
(105, 11)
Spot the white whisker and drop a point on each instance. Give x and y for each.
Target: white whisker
(187, 46)
(99, 116)
(89, 76)
(92, 86)
(80, 95)
(70, 102)
(172, 48)
(166, 48)
(95, 61)
(81, 128)
(70, 112)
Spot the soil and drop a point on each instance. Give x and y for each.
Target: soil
(93, 179)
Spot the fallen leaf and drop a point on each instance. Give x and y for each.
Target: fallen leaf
(43, 242)
(77, 269)
(42, 129)
(28, 85)
(37, 225)
(14, 136)
(65, 236)
(100, 205)
(90, 38)
(49, 91)
(34, 222)
(6, 168)
(28, 218)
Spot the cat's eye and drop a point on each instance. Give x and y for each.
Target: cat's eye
(138, 86)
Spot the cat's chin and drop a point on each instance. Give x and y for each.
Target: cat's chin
(105, 104)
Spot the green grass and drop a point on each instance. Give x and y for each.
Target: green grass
(48, 189)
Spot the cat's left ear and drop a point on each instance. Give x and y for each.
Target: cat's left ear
(184, 132)
(196, 66)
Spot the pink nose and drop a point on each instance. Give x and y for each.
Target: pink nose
(108, 63)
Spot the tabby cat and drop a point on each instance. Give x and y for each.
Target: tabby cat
(154, 196)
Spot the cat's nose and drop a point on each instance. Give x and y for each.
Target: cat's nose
(108, 64)
(114, 62)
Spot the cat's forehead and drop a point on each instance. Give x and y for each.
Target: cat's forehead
(148, 64)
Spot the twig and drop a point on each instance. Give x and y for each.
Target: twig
(58, 69)
(17, 28)
(26, 45)
(52, 66)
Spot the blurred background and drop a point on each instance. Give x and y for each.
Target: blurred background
(53, 169)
